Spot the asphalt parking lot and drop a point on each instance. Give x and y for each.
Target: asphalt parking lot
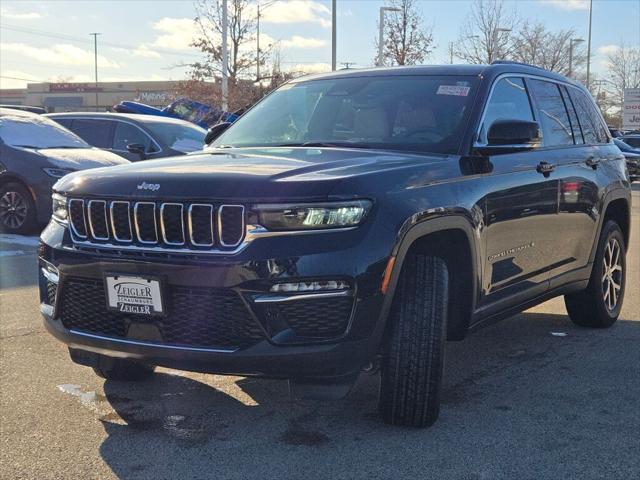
(533, 397)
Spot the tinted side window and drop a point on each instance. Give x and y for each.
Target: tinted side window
(126, 134)
(575, 125)
(65, 122)
(589, 118)
(554, 120)
(94, 132)
(509, 101)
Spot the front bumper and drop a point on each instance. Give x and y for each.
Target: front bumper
(279, 353)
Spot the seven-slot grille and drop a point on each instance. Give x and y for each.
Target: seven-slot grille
(157, 224)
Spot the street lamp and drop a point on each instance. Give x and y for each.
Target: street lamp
(494, 40)
(572, 42)
(381, 33)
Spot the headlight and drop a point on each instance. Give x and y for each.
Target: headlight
(59, 208)
(57, 172)
(312, 216)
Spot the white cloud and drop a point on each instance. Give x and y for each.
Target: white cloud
(59, 54)
(16, 79)
(568, 4)
(608, 49)
(175, 33)
(303, 42)
(19, 16)
(142, 51)
(297, 11)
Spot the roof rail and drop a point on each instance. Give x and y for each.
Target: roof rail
(511, 62)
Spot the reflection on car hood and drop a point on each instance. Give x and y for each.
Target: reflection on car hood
(80, 158)
(276, 173)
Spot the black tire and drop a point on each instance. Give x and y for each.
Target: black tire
(592, 306)
(17, 209)
(412, 365)
(122, 370)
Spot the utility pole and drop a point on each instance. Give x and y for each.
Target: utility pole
(589, 45)
(381, 33)
(333, 35)
(95, 63)
(225, 58)
(258, 45)
(451, 53)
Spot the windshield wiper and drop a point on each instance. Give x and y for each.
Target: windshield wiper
(326, 144)
(26, 146)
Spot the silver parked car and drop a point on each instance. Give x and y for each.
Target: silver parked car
(34, 153)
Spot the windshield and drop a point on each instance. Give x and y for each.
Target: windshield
(412, 113)
(181, 137)
(37, 132)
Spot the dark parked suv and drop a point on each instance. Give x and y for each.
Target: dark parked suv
(348, 222)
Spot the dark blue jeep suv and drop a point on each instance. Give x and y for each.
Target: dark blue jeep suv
(348, 222)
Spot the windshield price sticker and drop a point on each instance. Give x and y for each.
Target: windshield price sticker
(456, 90)
(135, 295)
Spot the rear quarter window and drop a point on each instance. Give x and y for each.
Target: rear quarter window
(593, 129)
(552, 114)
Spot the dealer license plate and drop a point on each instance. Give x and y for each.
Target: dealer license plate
(135, 295)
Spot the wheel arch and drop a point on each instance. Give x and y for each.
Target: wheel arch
(12, 178)
(616, 206)
(453, 238)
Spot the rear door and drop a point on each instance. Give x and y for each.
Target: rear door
(96, 132)
(519, 202)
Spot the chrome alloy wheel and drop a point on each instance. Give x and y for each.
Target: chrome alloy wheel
(612, 273)
(13, 210)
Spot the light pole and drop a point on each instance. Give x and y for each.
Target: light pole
(381, 33)
(589, 44)
(572, 42)
(225, 57)
(264, 7)
(333, 35)
(494, 40)
(95, 63)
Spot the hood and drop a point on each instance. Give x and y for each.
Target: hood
(79, 158)
(250, 174)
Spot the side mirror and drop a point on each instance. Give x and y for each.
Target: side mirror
(509, 136)
(138, 149)
(215, 131)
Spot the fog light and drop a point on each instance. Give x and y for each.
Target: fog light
(310, 286)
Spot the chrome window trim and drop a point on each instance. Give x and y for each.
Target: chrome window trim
(211, 210)
(106, 220)
(162, 228)
(220, 209)
(84, 219)
(137, 226)
(113, 225)
(476, 143)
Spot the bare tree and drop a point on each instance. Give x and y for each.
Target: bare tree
(485, 34)
(241, 37)
(407, 40)
(623, 72)
(536, 45)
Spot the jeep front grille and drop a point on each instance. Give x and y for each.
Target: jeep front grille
(157, 225)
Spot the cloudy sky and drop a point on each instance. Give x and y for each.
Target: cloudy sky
(49, 40)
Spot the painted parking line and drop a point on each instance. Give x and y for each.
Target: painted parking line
(11, 253)
(19, 239)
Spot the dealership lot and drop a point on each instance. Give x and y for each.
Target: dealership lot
(531, 397)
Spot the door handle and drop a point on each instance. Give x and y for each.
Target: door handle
(545, 168)
(592, 162)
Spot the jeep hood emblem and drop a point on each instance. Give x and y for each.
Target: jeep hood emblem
(149, 186)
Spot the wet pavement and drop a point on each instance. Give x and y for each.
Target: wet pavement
(532, 397)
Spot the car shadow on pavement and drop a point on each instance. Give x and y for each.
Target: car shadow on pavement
(535, 381)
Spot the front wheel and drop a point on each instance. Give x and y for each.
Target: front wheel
(599, 305)
(412, 366)
(17, 209)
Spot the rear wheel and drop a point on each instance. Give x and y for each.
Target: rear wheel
(413, 362)
(17, 209)
(599, 305)
(121, 369)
